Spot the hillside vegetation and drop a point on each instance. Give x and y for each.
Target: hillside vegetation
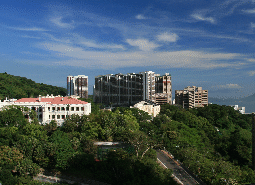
(21, 87)
(214, 142)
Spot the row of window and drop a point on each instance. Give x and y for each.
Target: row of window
(66, 108)
(58, 116)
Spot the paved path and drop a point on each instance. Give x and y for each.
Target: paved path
(179, 173)
(66, 179)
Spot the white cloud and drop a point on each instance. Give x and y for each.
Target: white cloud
(251, 60)
(30, 37)
(28, 29)
(102, 46)
(143, 44)
(168, 37)
(58, 21)
(252, 25)
(251, 73)
(77, 56)
(230, 86)
(200, 17)
(140, 16)
(250, 11)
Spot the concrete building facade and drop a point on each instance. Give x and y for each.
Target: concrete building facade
(149, 107)
(163, 85)
(191, 97)
(129, 89)
(77, 85)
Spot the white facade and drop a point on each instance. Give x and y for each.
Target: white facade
(148, 85)
(240, 109)
(151, 108)
(53, 108)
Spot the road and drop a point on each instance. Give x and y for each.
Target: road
(183, 177)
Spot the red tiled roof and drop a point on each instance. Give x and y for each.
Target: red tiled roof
(56, 100)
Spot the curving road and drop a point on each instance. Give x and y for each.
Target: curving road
(181, 175)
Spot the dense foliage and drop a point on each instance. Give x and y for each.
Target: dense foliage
(27, 147)
(214, 142)
(21, 87)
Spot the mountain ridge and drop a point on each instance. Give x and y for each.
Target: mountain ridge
(247, 102)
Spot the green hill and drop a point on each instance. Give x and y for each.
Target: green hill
(21, 87)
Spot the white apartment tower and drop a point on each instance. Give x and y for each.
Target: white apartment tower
(148, 85)
(77, 85)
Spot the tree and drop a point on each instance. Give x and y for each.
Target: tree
(61, 149)
(12, 117)
(141, 143)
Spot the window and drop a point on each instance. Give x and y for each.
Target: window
(63, 117)
(48, 108)
(53, 116)
(82, 108)
(72, 108)
(58, 108)
(63, 108)
(53, 108)
(49, 116)
(77, 108)
(58, 116)
(67, 108)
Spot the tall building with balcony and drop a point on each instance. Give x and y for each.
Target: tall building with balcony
(77, 85)
(191, 97)
(163, 89)
(129, 89)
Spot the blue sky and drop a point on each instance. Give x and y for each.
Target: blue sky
(202, 43)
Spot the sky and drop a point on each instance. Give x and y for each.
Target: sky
(207, 43)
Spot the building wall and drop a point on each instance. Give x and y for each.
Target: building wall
(163, 89)
(77, 85)
(191, 97)
(151, 109)
(46, 111)
(126, 90)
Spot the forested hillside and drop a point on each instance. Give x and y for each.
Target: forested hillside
(214, 142)
(21, 87)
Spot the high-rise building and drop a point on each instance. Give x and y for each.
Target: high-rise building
(163, 89)
(191, 97)
(129, 89)
(77, 85)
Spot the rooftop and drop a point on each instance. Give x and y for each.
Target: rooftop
(54, 100)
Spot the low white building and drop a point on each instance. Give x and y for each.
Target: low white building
(240, 109)
(52, 107)
(148, 106)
